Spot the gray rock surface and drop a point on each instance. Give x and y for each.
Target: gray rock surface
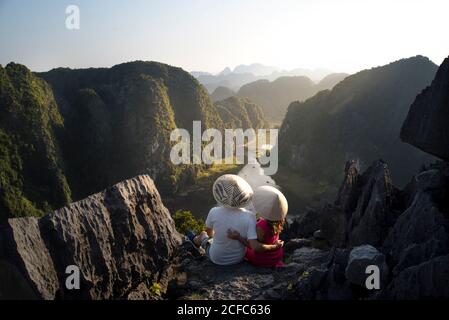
(122, 239)
(373, 215)
(204, 280)
(364, 210)
(307, 257)
(293, 244)
(428, 280)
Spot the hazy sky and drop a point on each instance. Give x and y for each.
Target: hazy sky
(209, 35)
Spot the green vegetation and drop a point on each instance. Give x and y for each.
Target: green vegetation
(241, 113)
(185, 221)
(155, 289)
(32, 181)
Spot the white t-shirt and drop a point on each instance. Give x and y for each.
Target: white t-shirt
(225, 251)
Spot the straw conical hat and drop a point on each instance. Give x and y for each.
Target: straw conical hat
(232, 191)
(270, 203)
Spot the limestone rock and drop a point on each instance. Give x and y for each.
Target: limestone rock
(119, 239)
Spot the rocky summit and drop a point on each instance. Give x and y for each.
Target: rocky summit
(122, 240)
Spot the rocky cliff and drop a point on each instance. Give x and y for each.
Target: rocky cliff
(426, 125)
(122, 240)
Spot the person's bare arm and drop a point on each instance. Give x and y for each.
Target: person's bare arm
(210, 232)
(261, 247)
(255, 244)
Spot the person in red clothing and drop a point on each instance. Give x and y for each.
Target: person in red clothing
(272, 207)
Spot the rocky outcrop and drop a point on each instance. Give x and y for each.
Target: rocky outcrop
(410, 227)
(426, 126)
(122, 240)
(418, 243)
(365, 207)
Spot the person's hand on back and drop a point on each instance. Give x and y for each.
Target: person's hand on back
(233, 234)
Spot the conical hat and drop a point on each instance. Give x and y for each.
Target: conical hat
(270, 203)
(232, 191)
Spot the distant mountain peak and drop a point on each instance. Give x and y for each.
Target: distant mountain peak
(256, 69)
(225, 71)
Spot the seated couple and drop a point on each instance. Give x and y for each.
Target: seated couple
(232, 232)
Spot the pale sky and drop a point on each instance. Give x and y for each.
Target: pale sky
(208, 35)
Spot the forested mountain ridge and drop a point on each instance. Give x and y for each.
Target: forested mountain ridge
(275, 96)
(359, 119)
(119, 122)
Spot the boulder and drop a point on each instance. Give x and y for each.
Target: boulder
(426, 126)
(359, 259)
(122, 240)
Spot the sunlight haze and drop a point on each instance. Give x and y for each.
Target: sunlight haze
(200, 35)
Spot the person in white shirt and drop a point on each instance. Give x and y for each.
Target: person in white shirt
(232, 193)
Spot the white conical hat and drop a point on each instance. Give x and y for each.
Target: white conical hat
(270, 203)
(232, 191)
